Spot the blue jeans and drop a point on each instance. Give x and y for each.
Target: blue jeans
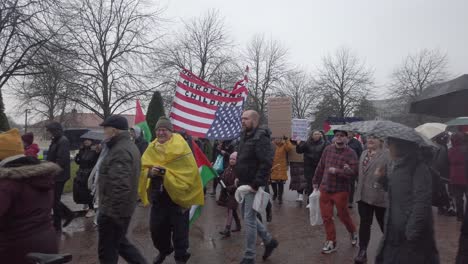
(253, 226)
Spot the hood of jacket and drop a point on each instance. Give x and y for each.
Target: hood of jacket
(56, 129)
(38, 174)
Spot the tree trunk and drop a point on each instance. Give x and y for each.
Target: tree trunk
(4, 125)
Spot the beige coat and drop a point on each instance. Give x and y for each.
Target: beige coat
(369, 190)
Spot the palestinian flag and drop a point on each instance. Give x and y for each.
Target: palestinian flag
(140, 121)
(207, 173)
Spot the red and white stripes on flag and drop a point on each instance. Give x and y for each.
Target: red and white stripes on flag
(206, 111)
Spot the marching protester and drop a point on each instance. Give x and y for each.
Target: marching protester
(279, 170)
(333, 175)
(370, 194)
(409, 231)
(458, 156)
(296, 170)
(26, 195)
(59, 153)
(118, 191)
(254, 163)
(312, 150)
(462, 254)
(227, 198)
(355, 145)
(30, 148)
(86, 160)
(224, 149)
(138, 138)
(175, 185)
(440, 163)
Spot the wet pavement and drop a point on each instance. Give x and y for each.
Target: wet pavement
(299, 242)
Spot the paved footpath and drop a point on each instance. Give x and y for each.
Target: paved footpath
(299, 242)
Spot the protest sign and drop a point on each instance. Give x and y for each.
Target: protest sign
(299, 129)
(279, 116)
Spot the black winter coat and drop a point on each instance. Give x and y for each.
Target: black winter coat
(409, 231)
(141, 144)
(312, 153)
(254, 158)
(355, 145)
(118, 177)
(59, 153)
(86, 159)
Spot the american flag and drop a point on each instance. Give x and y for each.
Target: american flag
(206, 111)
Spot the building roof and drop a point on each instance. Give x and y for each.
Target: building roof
(81, 120)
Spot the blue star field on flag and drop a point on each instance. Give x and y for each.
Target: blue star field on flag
(227, 124)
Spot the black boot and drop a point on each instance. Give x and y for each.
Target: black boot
(226, 233)
(161, 257)
(361, 258)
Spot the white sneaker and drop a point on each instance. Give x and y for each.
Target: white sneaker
(354, 239)
(329, 247)
(90, 213)
(300, 198)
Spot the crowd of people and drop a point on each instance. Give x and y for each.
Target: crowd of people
(391, 179)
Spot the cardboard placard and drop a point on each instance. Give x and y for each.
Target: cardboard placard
(299, 129)
(279, 116)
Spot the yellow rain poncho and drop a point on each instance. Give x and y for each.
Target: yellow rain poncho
(182, 180)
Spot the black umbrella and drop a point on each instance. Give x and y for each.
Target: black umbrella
(388, 129)
(448, 99)
(93, 135)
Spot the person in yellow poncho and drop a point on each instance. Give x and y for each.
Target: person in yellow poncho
(171, 180)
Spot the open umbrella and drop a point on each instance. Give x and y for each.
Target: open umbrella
(460, 121)
(448, 99)
(430, 130)
(388, 129)
(93, 135)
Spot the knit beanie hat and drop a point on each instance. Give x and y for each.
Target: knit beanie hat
(164, 122)
(10, 144)
(28, 138)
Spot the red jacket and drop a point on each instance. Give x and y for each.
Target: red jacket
(31, 150)
(26, 198)
(457, 160)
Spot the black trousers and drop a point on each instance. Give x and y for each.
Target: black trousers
(366, 212)
(169, 227)
(278, 189)
(113, 242)
(215, 184)
(458, 191)
(59, 208)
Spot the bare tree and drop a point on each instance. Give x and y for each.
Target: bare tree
(203, 47)
(114, 41)
(417, 72)
(299, 86)
(366, 110)
(268, 59)
(346, 78)
(24, 30)
(49, 91)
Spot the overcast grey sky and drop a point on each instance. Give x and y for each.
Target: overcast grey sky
(381, 32)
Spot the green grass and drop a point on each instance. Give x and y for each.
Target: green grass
(69, 184)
